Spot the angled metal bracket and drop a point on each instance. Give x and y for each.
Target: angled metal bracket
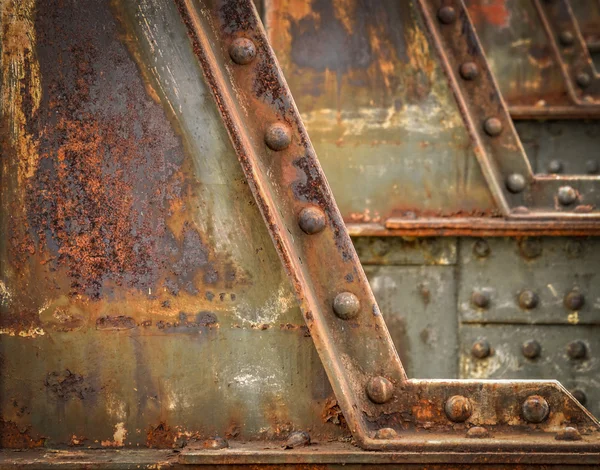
(383, 408)
(518, 192)
(570, 49)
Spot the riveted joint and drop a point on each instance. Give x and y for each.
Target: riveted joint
(379, 390)
(458, 408)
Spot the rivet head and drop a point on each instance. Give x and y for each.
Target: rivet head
(478, 432)
(530, 248)
(568, 434)
(297, 439)
(583, 79)
(577, 349)
(566, 38)
(528, 299)
(535, 409)
(480, 299)
(242, 51)
(481, 349)
(592, 167)
(555, 166)
(380, 247)
(531, 349)
(311, 220)
(386, 433)
(446, 15)
(580, 396)
(215, 443)
(566, 195)
(278, 136)
(516, 183)
(493, 126)
(481, 248)
(346, 305)
(380, 390)
(574, 300)
(458, 408)
(469, 70)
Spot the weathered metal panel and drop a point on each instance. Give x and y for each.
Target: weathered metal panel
(142, 299)
(418, 307)
(555, 359)
(397, 251)
(495, 272)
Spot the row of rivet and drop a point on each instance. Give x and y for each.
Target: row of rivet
(311, 220)
(528, 300)
(531, 349)
(493, 127)
(556, 167)
(530, 248)
(535, 409)
(567, 39)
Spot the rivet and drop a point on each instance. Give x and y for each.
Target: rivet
(574, 300)
(528, 299)
(574, 248)
(386, 433)
(566, 195)
(346, 305)
(516, 183)
(492, 126)
(580, 396)
(583, 79)
(380, 247)
(478, 432)
(297, 439)
(592, 167)
(379, 390)
(215, 443)
(531, 349)
(458, 408)
(555, 166)
(530, 248)
(576, 349)
(535, 409)
(242, 51)
(566, 38)
(469, 70)
(446, 15)
(481, 248)
(480, 298)
(481, 349)
(278, 136)
(311, 220)
(568, 434)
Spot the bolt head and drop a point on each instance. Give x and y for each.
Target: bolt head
(242, 51)
(386, 433)
(312, 220)
(446, 15)
(379, 390)
(568, 434)
(469, 71)
(278, 136)
(493, 126)
(380, 247)
(297, 439)
(531, 349)
(215, 443)
(516, 183)
(574, 300)
(346, 305)
(481, 248)
(530, 248)
(577, 349)
(478, 432)
(458, 408)
(480, 299)
(566, 38)
(555, 166)
(580, 396)
(528, 299)
(592, 167)
(583, 79)
(481, 349)
(535, 409)
(566, 195)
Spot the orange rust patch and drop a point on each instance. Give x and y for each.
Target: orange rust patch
(492, 12)
(11, 437)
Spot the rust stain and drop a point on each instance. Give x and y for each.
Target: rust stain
(332, 413)
(492, 12)
(13, 437)
(66, 385)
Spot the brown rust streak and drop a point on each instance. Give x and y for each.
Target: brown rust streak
(12, 437)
